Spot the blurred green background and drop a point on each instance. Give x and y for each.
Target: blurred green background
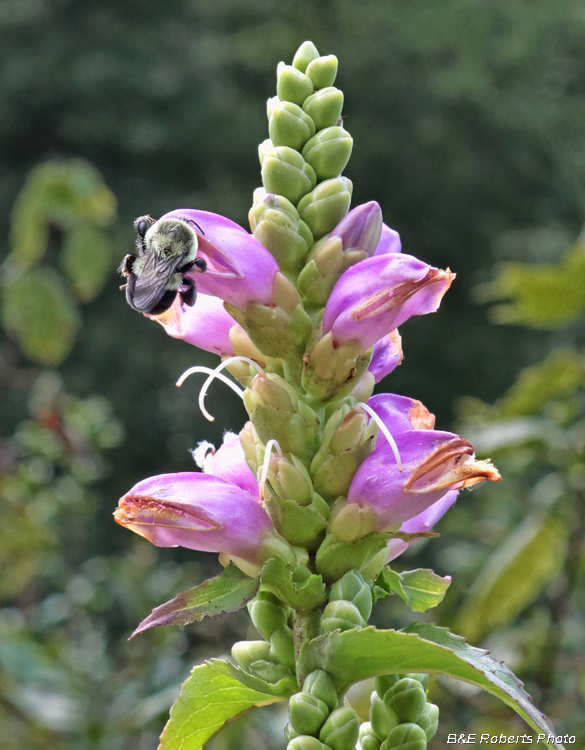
(468, 120)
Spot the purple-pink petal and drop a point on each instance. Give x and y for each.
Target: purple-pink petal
(424, 522)
(361, 228)
(196, 511)
(376, 296)
(387, 355)
(206, 324)
(229, 463)
(389, 241)
(400, 413)
(239, 268)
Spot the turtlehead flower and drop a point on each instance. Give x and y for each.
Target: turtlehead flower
(197, 511)
(229, 463)
(206, 324)
(239, 269)
(361, 229)
(389, 241)
(377, 295)
(433, 464)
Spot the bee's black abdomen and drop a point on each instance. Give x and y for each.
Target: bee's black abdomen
(163, 304)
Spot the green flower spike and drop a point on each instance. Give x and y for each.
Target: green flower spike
(405, 737)
(324, 207)
(340, 731)
(328, 152)
(284, 171)
(276, 223)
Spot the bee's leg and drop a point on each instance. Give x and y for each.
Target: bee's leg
(199, 264)
(189, 295)
(141, 225)
(126, 265)
(130, 285)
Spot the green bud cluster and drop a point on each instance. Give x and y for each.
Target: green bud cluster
(305, 155)
(400, 716)
(315, 721)
(350, 604)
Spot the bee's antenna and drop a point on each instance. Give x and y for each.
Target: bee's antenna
(192, 221)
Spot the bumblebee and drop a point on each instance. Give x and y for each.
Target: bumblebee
(166, 251)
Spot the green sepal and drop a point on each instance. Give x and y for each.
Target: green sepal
(383, 719)
(328, 151)
(340, 731)
(420, 589)
(319, 684)
(304, 55)
(281, 647)
(285, 172)
(324, 107)
(298, 588)
(406, 736)
(322, 71)
(384, 682)
(290, 126)
(289, 732)
(301, 525)
(407, 699)
(305, 742)
(245, 653)
(324, 207)
(341, 615)
(214, 694)
(267, 616)
(353, 588)
(307, 713)
(225, 593)
(271, 672)
(334, 558)
(429, 720)
(292, 85)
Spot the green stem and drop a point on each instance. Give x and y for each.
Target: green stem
(305, 628)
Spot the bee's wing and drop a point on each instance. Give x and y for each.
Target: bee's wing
(152, 280)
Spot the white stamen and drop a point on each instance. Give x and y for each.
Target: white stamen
(204, 448)
(385, 430)
(267, 451)
(216, 374)
(212, 374)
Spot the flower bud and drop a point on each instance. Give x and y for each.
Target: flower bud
(276, 546)
(341, 615)
(405, 737)
(328, 151)
(343, 450)
(319, 684)
(267, 614)
(281, 647)
(301, 525)
(292, 85)
(353, 588)
(370, 742)
(271, 672)
(407, 699)
(289, 732)
(384, 682)
(429, 720)
(322, 71)
(382, 718)
(340, 731)
(264, 148)
(305, 742)
(304, 55)
(324, 107)
(276, 223)
(307, 713)
(421, 677)
(290, 126)
(245, 653)
(284, 171)
(278, 413)
(331, 371)
(290, 480)
(324, 207)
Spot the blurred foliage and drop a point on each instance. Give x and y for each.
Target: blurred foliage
(37, 305)
(469, 127)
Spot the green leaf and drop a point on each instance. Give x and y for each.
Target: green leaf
(356, 655)
(214, 694)
(420, 589)
(226, 593)
(303, 596)
(86, 260)
(514, 575)
(38, 311)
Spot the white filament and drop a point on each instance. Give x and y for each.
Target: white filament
(216, 374)
(212, 374)
(385, 430)
(267, 451)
